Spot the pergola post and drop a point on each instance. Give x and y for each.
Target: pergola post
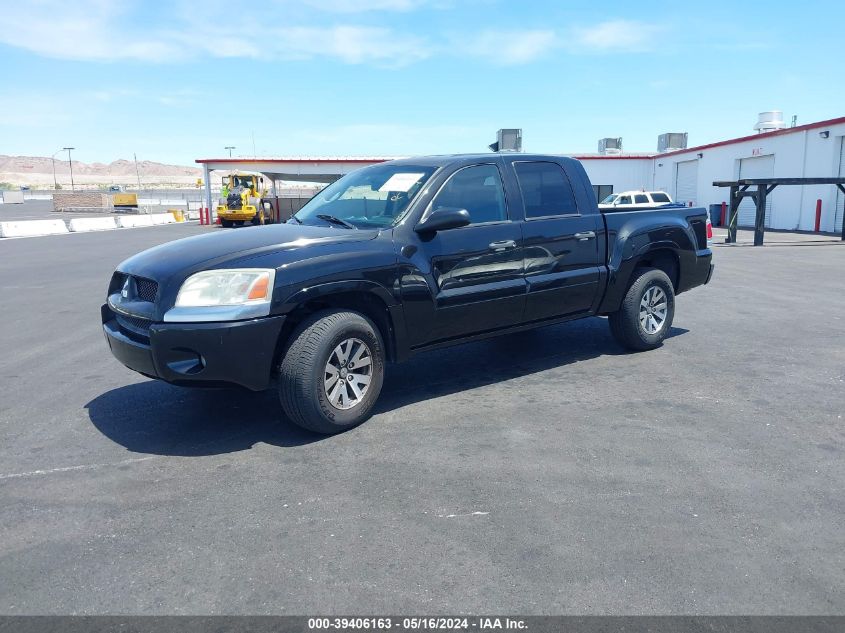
(760, 220)
(733, 215)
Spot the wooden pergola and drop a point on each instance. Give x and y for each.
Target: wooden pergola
(765, 186)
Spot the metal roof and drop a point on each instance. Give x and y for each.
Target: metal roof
(315, 160)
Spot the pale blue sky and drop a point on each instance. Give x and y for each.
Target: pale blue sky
(174, 81)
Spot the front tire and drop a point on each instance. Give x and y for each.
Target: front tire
(332, 372)
(226, 224)
(645, 317)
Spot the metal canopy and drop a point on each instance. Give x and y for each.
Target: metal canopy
(765, 186)
(322, 169)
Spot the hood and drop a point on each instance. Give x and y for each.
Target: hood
(190, 254)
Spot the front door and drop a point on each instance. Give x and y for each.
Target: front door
(475, 272)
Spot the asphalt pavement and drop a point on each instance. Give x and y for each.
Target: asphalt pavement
(544, 472)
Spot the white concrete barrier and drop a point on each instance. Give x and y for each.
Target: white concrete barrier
(162, 218)
(173, 202)
(153, 201)
(13, 197)
(78, 225)
(131, 221)
(30, 228)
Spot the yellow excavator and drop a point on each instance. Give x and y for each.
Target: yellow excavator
(244, 198)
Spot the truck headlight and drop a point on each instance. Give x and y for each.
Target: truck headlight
(224, 295)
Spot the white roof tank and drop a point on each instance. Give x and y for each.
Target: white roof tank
(769, 121)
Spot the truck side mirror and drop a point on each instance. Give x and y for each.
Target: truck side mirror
(442, 219)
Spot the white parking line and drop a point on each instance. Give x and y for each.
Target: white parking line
(65, 469)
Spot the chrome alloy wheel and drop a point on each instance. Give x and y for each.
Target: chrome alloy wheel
(348, 373)
(653, 309)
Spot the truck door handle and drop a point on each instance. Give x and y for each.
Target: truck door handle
(504, 245)
(586, 235)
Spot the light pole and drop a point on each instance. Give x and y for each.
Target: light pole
(230, 148)
(53, 158)
(72, 187)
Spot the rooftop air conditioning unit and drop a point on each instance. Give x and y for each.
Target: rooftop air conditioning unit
(610, 146)
(507, 140)
(671, 141)
(770, 121)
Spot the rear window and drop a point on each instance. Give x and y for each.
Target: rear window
(545, 189)
(660, 197)
(641, 199)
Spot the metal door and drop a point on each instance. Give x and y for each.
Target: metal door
(756, 167)
(686, 182)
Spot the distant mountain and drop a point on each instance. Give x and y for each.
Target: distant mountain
(37, 171)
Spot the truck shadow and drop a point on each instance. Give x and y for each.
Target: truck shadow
(153, 417)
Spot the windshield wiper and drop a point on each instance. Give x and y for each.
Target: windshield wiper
(335, 220)
(298, 221)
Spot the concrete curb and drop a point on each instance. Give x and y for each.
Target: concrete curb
(79, 225)
(39, 228)
(132, 221)
(32, 228)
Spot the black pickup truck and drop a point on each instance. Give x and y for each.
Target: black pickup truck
(395, 259)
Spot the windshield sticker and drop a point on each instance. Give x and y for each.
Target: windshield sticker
(400, 182)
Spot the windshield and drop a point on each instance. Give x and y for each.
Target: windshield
(242, 181)
(373, 197)
(610, 199)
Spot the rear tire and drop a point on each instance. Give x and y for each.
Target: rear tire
(226, 223)
(332, 371)
(645, 317)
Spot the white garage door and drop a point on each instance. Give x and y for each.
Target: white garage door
(757, 167)
(840, 197)
(686, 182)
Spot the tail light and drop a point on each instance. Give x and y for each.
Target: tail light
(709, 228)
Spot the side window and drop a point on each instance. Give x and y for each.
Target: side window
(660, 197)
(478, 189)
(624, 200)
(602, 191)
(545, 189)
(641, 198)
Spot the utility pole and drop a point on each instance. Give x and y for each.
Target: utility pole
(230, 148)
(137, 173)
(69, 160)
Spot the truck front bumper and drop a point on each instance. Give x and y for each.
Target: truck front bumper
(198, 354)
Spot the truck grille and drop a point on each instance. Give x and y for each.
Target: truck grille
(147, 289)
(136, 328)
(133, 322)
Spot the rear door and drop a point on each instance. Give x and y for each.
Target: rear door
(476, 269)
(561, 243)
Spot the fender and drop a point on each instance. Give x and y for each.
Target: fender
(334, 287)
(622, 265)
(395, 333)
